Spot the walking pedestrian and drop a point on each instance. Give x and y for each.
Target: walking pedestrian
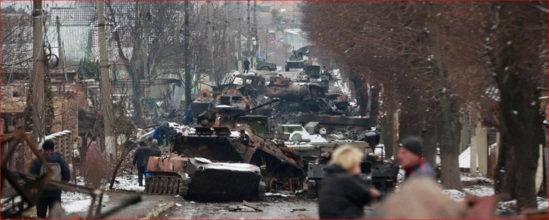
(410, 155)
(153, 150)
(61, 171)
(140, 161)
(343, 194)
(246, 66)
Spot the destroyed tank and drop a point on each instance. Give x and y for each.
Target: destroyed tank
(218, 139)
(200, 179)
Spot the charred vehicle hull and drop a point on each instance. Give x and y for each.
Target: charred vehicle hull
(201, 179)
(223, 182)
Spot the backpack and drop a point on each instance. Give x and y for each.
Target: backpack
(56, 167)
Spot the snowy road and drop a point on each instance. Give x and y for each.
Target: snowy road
(296, 209)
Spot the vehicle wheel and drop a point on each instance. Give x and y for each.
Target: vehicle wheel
(265, 68)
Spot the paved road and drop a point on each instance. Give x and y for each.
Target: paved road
(289, 209)
(272, 208)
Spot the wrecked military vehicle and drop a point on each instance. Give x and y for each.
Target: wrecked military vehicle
(203, 180)
(218, 139)
(316, 152)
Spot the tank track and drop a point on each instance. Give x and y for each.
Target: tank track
(165, 185)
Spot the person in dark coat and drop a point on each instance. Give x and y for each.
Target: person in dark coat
(153, 150)
(52, 194)
(139, 160)
(246, 66)
(410, 155)
(343, 194)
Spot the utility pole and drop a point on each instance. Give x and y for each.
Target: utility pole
(110, 141)
(143, 10)
(227, 53)
(266, 43)
(209, 34)
(187, 36)
(249, 35)
(255, 39)
(39, 67)
(61, 50)
(239, 39)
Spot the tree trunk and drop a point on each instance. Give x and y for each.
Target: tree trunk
(517, 63)
(449, 143)
(505, 171)
(361, 89)
(410, 120)
(432, 140)
(387, 124)
(374, 107)
(187, 36)
(136, 102)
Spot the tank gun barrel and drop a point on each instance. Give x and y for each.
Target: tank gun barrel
(254, 108)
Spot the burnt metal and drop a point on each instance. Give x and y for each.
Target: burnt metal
(200, 179)
(208, 184)
(222, 131)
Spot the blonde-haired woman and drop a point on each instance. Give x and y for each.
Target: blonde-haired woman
(343, 194)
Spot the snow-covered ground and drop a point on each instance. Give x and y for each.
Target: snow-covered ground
(485, 188)
(507, 207)
(127, 183)
(77, 202)
(73, 202)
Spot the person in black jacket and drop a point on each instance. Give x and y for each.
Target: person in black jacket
(246, 66)
(343, 194)
(52, 194)
(139, 160)
(153, 150)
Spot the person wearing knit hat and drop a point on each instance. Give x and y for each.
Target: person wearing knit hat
(410, 156)
(61, 172)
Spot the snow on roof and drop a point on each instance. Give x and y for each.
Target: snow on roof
(58, 134)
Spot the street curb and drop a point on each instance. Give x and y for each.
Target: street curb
(158, 211)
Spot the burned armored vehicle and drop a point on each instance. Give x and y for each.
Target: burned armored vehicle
(316, 152)
(220, 138)
(203, 180)
(297, 96)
